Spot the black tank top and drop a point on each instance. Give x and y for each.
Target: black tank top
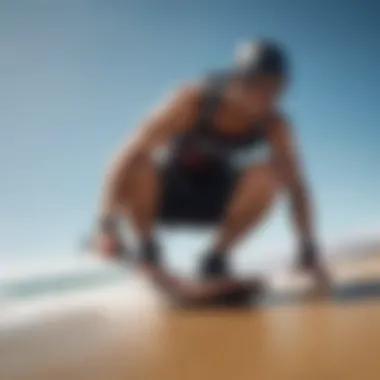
(204, 147)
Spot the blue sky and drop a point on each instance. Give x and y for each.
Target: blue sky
(77, 76)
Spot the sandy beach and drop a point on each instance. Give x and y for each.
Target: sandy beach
(127, 332)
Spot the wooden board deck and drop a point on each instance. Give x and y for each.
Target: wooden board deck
(139, 338)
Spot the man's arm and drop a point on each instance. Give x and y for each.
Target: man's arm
(174, 116)
(287, 162)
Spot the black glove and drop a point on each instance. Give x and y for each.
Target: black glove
(214, 264)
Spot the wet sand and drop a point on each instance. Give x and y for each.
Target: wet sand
(133, 335)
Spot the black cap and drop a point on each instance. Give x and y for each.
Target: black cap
(261, 57)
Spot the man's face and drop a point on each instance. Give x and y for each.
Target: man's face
(264, 92)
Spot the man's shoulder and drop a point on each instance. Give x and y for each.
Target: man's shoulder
(280, 117)
(188, 93)
(279, 124)
(180, 98)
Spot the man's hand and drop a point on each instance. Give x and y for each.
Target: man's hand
(107, 239)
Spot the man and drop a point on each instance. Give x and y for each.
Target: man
(210, 175)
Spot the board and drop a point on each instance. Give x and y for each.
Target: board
(135, 336)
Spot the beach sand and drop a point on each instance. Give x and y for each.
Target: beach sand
(131, 334)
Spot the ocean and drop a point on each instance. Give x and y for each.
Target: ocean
(40, 277)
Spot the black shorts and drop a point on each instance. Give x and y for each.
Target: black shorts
(195, 198)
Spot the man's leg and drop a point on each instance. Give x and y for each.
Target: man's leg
(251, 201)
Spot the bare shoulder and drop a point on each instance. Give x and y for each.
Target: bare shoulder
(179, 108)
(280, 125)
(281, 119)
(187, 95)
(191, 90)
